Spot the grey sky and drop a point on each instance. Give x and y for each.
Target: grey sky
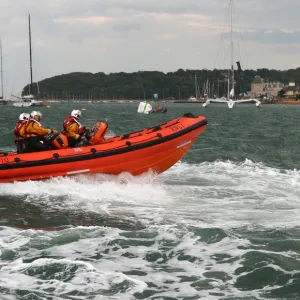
(131, 35)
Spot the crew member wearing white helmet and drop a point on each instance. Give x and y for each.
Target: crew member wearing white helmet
(74, 130)
(19, 132)
(35, 133)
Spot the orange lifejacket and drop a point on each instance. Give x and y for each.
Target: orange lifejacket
(71, 120)
(18, 128)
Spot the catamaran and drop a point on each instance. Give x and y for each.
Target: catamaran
(231, 99)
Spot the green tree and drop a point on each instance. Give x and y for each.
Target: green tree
(177, 84)
(280, 94)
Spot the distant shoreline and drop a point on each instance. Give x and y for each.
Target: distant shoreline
(289, 102)
(283, 102)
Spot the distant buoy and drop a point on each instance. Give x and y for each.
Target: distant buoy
(83, 109)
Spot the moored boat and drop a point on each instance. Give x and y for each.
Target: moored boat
(157, 149)
(27, 101)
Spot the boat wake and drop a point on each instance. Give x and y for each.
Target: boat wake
(187, 192)
(197, 230)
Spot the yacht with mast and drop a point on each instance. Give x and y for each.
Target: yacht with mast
(231, 99)
(2, 101)
(29, 100)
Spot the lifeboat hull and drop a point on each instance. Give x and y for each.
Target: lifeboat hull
(156, 149)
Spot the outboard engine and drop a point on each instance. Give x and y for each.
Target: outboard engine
(97, 133)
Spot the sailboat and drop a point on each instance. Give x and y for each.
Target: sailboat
(2, 101)
(231, 99)
(192, 98)
(28, 100)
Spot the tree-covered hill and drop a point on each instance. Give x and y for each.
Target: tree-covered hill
(143, 84)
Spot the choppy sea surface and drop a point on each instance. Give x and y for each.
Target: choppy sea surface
(223, 223)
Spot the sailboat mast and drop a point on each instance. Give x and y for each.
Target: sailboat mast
(30, 55)
(1, 71)
(231, 44)
(228, 83)
(196, 86)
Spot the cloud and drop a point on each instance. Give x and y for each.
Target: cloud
(274, 36)
(122, 26)
(289, 49)
(167, 36)
(92, 20)
(131, 35)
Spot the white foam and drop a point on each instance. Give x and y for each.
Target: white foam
(223, 194)
(228, 194)
(92, 193)
(176, 206)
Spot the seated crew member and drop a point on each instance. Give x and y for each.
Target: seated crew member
(74, 130)
(19, 132)
(35, 133)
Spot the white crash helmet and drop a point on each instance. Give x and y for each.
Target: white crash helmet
(76, 113)
(24, 116)
(35, 113)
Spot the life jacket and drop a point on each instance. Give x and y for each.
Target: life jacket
(18, 128)
(71, 120)
(28, 124)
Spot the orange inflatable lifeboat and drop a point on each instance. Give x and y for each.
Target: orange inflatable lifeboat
(157, 148)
